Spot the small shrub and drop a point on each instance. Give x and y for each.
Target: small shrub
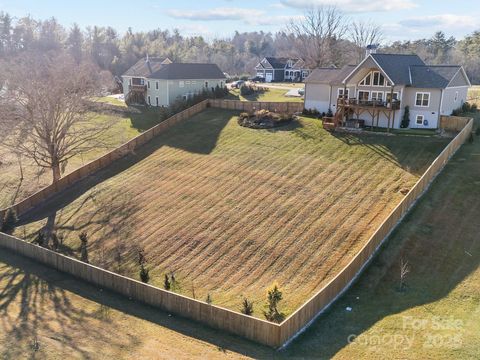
(406, 118)
(166, 283)
(246, 90)
(209, 299)
(329, 112)
(40, 239)
(457, 112)
(83, 247)
(274, 296)
(465, 108)
(247, 307)
(9, 222)
(144, 274)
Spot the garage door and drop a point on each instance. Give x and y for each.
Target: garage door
(268, 77)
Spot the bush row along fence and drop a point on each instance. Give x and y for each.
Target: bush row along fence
(270, 334)
(303, 316)
(250, 106)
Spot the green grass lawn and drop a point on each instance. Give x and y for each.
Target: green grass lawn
(123, 127)
(411, 132)
(271, 94)
(231, 210)
(439, 239)
(110, 100)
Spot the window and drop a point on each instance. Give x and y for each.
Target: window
(130, 81)
(363, 95)
(148, 84)
(181, 84)
(396, 96)
(377, 95)
(340, 93)
(194, 83)
(367, 80)
(422, 99)
(456, 96)
(374, 78)
(419, 120)
(156, 100)
(149, 101)
(187, 82)
(156, 85)
(185, 97)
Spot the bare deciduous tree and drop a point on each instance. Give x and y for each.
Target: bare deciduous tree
(317, 33)
(45, 112)
(363, 33)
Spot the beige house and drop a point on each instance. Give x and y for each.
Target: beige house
(377, 91)
(159, 82)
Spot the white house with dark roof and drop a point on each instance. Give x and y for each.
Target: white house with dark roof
(159, 82)
(378, 89)
(277, 69)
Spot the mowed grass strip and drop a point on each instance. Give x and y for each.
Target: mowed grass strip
(231, 210)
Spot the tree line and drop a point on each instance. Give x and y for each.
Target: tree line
(323, 37)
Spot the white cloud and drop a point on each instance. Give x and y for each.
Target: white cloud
(440, 21)
(354, 6)
(216, 14)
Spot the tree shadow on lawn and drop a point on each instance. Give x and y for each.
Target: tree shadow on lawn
(37, 284)
(197, 135)
(30, 302)
(439, 239)
(399, 150)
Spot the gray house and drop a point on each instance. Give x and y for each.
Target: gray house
(378, 89)
(159, 82)
(282, 69)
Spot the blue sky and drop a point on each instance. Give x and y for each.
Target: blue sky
(401, 19)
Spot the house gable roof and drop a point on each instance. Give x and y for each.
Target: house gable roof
(396, 66)
(280, 62)
(410, 70)
(147, 66)
(433, 76)
(330, 76)
(187, 71)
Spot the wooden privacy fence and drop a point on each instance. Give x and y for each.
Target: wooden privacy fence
(250, 106)
(307, 312)
(453, 123)
(258, 330)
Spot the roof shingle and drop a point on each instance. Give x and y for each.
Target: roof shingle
(179, 71)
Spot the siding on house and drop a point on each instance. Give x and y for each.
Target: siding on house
(431, 113)
(447, 86)
(453, 98)
(317, 97)
(459, 80)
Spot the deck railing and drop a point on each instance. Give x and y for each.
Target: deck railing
(395, 105)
